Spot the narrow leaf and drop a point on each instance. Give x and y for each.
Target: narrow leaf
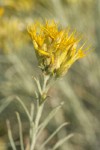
(53, 134)
(60, 142)
(25, 108)
(49, 117)
(10, 136)
(20, 131)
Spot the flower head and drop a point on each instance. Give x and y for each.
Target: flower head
(56, 49)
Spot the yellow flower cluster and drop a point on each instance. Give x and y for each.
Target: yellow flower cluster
(56, 49)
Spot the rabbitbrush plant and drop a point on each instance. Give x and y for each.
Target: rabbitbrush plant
(56, 50)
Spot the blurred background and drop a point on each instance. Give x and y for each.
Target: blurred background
(79, 89)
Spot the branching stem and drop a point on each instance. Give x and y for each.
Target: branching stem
(38, 114)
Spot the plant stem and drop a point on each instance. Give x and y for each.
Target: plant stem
(38, 114)
(35, 127)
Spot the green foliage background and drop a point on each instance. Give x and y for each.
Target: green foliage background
(79, 89)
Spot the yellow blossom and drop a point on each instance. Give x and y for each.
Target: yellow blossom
(56, 49)
(1, 11)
